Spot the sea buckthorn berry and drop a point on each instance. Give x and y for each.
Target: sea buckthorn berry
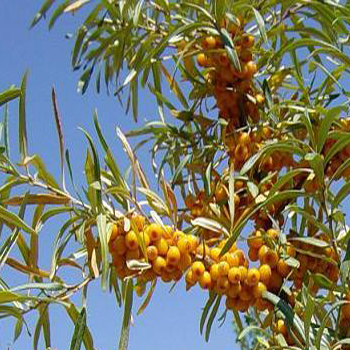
(253, 254)
(246, 293)
(283, 268)
(249, 69)
(177, 235)
(194, 242)
(281, 328)
(253, 276)
(232, 259)
(222, 284)
(262, 252)
(205, 280)
(291, 251)
(173, 255)
(333, 273)
(234, 290)
(270, 258)
(215, 254)
(221, 193)
(224, 267)
(244, 272)
(246, 55)
(185, 261)
(260, 99)
(231, 303)
(166, 277)
(190, 201)
(209, 43)
(234, 275)
(155, 232)
(241, 256)
(203, 250)
(345, 311)
(159, 265)
(242, 305)
(258, 289)
(265, 273)
(115, 232)
(152, 252)
(275, 282)
(198, 269)
(190, 278)
(247, 41)
(145, 238)
(131, 240)
(133, 254)
(202, 60)
(119, 245)
(214, 272)
(139, 221)
(118, 261)
(184, 245)
(162, 246)
(272, 233)
(255, 241)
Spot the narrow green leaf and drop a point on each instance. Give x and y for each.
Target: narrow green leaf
(9, 94)
(261, 24)
(22, 127)
(212, 317)
(124, 336)
(104, 235)
(79, 330)
(206, 309)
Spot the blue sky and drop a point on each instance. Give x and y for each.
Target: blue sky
(172, 320)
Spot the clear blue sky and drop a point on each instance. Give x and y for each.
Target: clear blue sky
(171, 321)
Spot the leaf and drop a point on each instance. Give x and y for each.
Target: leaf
(292, 318)
(74, 316)
(309, 311)
(209, 303)
(209, 224)
(43, 173)
(231, 191)
(147, 298)
(76, 5)
(9, 95)
(137, 12)
(180, 167)
(40, 198)
(79, 331)
(104, 235)
(13, 219)
(326, 123)
(124, 335)
(212, 317)
(22, 127)
(59, 132)
(261, 24)
(249, 329)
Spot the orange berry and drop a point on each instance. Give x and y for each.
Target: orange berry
(115, 232)
(224, 267)
(209, 43)
(253, 276)
(119, 245)
(118, 261)
(283, 268)
(249, 69)
(244, 272)
(281, 328)
(198, 269)
(221, 193)
(270, 258)
(202, 60)
(234, 275)
(173, 255)
(214, 272)
(215, 254)
(205, 280)
(253, 254)
(185, 261)
(255, 241)
(145, 238)
(260, 99)
(258, 289)
(272, 233)
(155, 232)
(132, 254)
(184, 245)
(232, 259)
(265, 273)
(262, 304)
(159, 265)
(291, 251)
(241, 256)
(203, 250)
(275, 282)
(131, 240)
(190, 201)
(194, 242)
(190, 278)
(345, 311)
(263, 251)
(162, 246)
(247, 41)
(222, 284)
(234, 290)
(152, 252)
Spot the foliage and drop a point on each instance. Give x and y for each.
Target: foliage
(254, 132)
